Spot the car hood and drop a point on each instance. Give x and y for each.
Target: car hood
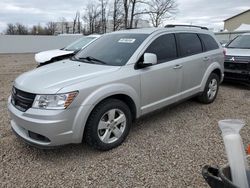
(45, 56)
(237, 52)
(51, 78)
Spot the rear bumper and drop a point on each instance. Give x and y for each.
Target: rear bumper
(237, 75)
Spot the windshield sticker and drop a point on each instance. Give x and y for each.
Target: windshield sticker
(126, 40)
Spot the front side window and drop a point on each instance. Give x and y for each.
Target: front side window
(242, 41)
(112, 49)
(164, 47)
(190, 44)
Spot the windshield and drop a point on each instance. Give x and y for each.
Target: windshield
(242, 41)
(112, 49)
(79, 44)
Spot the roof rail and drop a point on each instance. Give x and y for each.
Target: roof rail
(174, 25)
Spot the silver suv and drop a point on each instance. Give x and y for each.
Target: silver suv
(116, 79)
(237, 60)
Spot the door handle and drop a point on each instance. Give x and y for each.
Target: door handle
(178, 66)
(206, 58)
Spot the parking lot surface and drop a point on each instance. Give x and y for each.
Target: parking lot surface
(165, 149)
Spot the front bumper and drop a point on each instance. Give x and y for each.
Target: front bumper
(44, 128)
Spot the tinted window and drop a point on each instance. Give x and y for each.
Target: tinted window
(242, 41)
(190, 44)
(113, 49)
(209, 42)
(164, 47)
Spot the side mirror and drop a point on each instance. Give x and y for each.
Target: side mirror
(148, 60)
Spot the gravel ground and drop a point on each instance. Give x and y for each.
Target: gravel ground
(164, 149)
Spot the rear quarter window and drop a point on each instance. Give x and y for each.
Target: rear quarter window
(190, 44)
(209, 42)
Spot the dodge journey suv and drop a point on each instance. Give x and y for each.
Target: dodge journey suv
(120, 77)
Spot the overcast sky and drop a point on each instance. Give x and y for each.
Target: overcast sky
(210, 13)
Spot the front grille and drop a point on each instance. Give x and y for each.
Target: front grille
(237, 59)
(236, 76)
(22, 100)
(237, 66)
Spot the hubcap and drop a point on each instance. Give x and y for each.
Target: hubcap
(111, 126)
(212, 89)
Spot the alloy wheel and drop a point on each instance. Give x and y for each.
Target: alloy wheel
(111, 126)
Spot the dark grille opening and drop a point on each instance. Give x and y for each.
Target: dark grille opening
(38, 137)
(22, 100)
(235, 76)
(237, 66)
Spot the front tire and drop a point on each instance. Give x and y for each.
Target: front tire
(211, 89)
(108, 125)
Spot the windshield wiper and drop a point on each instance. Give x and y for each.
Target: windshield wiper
(92, 59)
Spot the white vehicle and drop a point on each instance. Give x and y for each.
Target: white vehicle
(46, 57)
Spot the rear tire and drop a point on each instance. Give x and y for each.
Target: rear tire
(108, 124)
(211, 89)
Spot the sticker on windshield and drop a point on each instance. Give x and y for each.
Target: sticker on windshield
(126, 40)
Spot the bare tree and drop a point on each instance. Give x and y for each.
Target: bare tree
(11, 29)
(133, 3)
(103, 15)
(41, 30)
(51, 28)
(92, 13)
(159, 10)
(126, 4)
(21, 29)
(62, 20)
(76, 23)
(34, 30)
(118, 15)
(79, 23)
(67, 27)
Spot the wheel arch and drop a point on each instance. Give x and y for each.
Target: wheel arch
(213, 68)
(218, 72)
(122, 92)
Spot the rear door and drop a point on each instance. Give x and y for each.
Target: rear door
(193, 62)
(211, 51)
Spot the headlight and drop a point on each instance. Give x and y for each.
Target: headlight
(51, 102)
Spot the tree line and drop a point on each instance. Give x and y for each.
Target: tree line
(100, 15)
(20, 29)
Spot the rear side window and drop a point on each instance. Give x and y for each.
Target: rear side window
(190, 44)
(209, 42)
(164, 47)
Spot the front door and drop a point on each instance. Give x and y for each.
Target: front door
(161, 83)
